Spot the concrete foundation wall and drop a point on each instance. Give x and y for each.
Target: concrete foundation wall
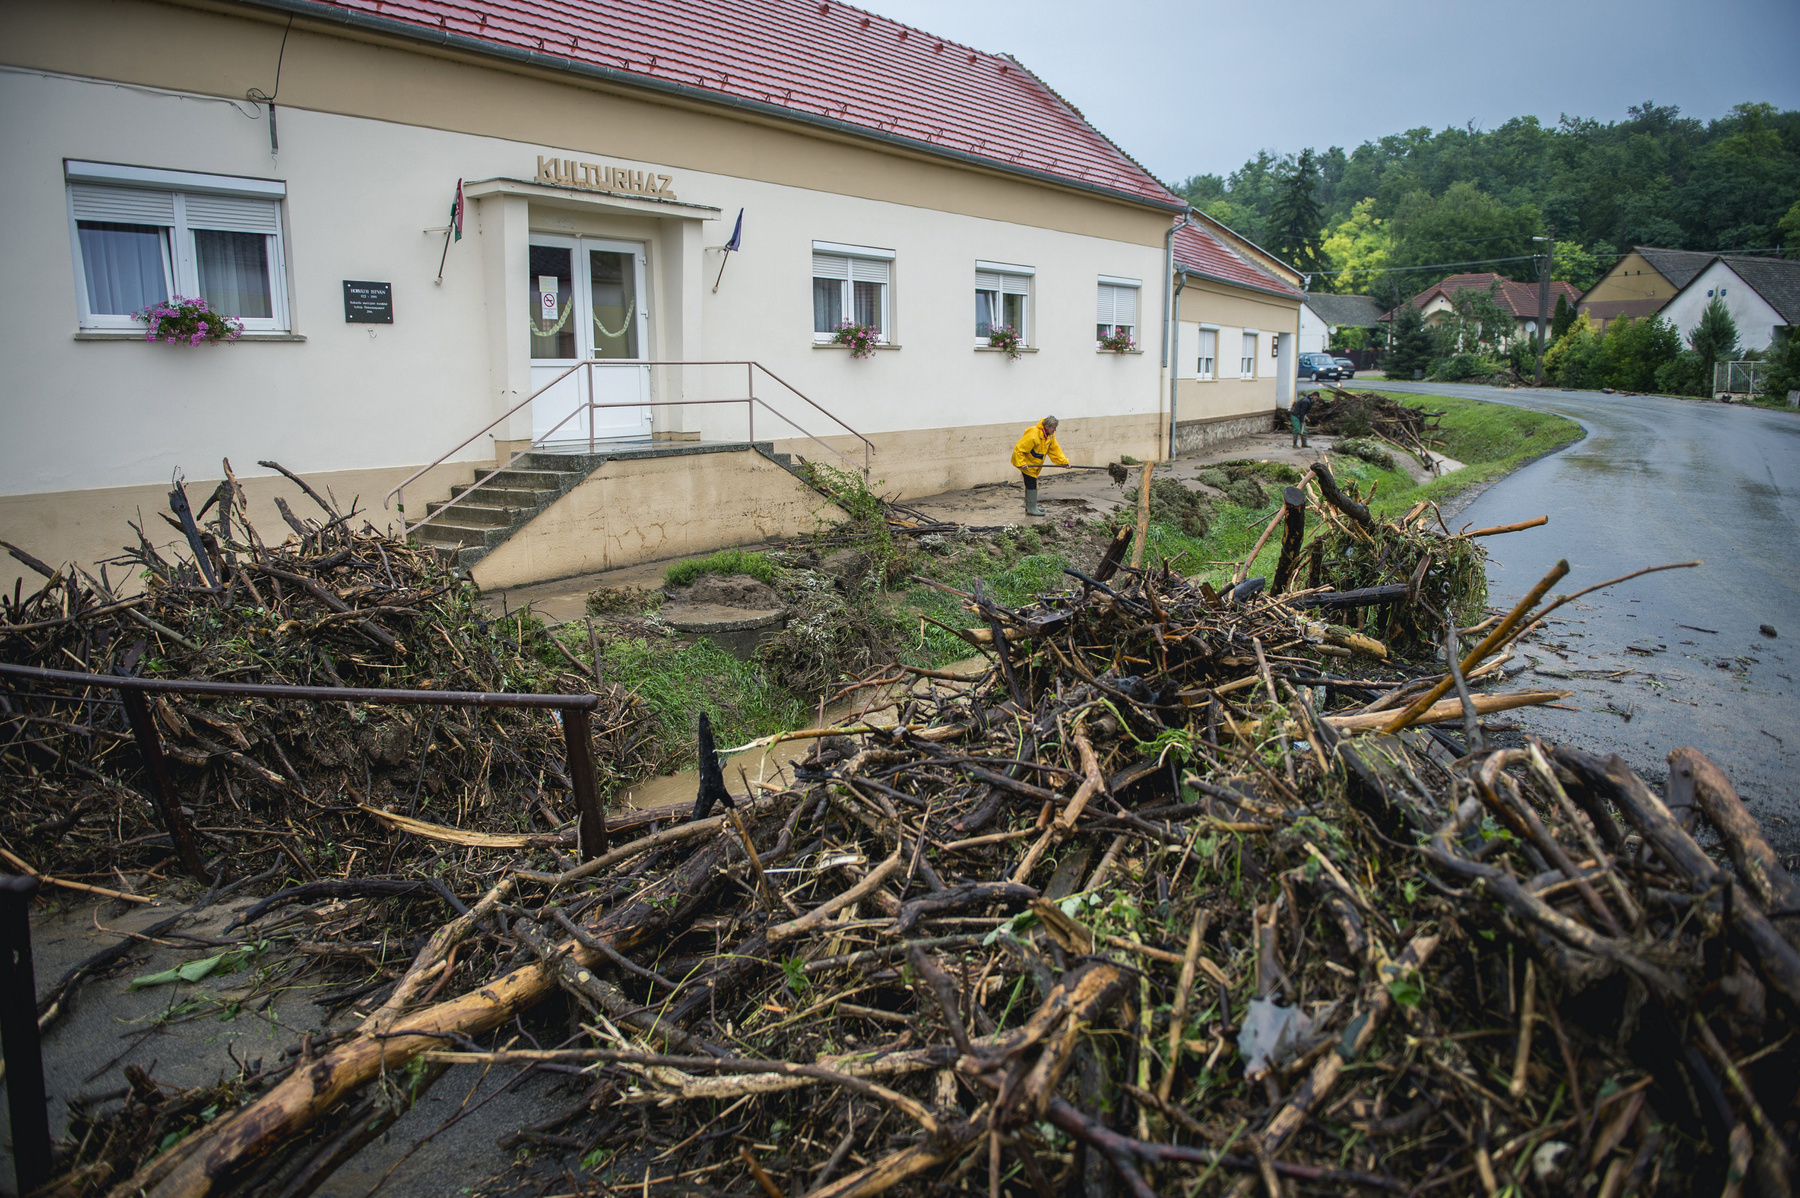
(631, 511)
(927, 461)
(1192, 436)
(88, 526)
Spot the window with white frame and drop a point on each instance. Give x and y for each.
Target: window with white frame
(1117, 308)
(851, 285)
(1002, 299)
(1209, 351)
(1247, 365)
(142, 235)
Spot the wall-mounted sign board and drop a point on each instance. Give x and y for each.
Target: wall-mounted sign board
(368, 303)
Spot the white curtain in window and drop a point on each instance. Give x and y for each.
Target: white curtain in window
(1247, 367)
(1209, 352)
(234, 272)
(123, 265)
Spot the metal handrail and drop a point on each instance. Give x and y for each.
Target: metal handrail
(574, 710)
(750, 401)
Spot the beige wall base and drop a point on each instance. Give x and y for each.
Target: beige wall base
(907, 465)
(88, 527)
(641, 510)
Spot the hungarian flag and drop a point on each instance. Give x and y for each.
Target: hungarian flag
(456, 212)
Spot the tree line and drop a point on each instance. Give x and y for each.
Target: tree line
(1389, 217)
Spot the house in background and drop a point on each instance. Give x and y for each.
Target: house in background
(1237, 314)
(1762, 295)
(1519, 300)
(1640, 284)
(1321, 316)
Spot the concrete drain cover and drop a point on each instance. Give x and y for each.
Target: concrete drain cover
(737, 630)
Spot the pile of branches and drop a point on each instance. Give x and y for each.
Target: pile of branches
(1369, 413)
(328, 605)
(1187, 893)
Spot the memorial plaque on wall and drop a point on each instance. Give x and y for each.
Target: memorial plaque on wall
(368, 303)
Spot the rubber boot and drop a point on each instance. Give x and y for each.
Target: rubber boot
(1303, 442)
(1031, 504)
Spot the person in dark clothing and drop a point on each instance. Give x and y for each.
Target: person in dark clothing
(1302, 408)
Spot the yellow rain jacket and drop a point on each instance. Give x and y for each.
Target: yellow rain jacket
(1034, 447)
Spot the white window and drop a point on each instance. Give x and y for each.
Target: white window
(1247, 365)
(1002, 298)
(851, 285)
(1117, 310)
(142, 235)
(1209, 351)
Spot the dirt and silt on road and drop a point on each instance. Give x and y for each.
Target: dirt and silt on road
(1186, 886)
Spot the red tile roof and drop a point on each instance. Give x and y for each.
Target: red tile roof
(1202, 253)
(819, 61)
(1519, 299)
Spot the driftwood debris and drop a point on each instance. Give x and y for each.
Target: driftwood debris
(1185, 893)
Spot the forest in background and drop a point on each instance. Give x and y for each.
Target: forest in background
(1378, 219)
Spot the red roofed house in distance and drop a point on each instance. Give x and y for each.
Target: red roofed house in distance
(640, 257)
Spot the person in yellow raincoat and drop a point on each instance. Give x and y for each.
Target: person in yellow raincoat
(1037, 447)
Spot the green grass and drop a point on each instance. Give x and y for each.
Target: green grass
(678, 682)
(1489, 439)
(725, 561)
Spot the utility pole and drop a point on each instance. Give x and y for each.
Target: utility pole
(1543, 320)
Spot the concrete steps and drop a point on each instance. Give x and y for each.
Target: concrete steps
(472, 526)
(467, 530)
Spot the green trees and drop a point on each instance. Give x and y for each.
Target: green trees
(1788, 229)
(1574, 361)
(1562, 318)
(1356, 249)
(1294, 233)
(1715, 338)
(1463, 224)
(1414, 347)
(1574, 264)
(1634, 350)
(1654, 177)
(1631, 355)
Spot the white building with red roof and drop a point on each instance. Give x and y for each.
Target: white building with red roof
(669, 217)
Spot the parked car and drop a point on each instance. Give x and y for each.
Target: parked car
(1346, 368)
(1319, 366)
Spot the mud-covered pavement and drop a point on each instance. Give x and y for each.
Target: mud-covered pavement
(1674, 658)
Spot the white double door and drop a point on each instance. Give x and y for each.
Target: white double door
(587, 304)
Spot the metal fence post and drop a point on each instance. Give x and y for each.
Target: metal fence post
(577, 737)
(19, 1036)
(150, 748)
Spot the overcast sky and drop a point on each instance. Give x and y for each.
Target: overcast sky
(1196, 88)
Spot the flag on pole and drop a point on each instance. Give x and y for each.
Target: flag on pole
(736, 242)
(454, 231)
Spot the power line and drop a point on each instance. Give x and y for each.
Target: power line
(1387, 270)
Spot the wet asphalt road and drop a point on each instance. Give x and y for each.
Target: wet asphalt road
(1662, 480)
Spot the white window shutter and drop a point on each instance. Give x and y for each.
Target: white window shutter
(1103, 313)
(1124, 304)
(122, 205)
(831, 266)
(241, 214)
(987, 280)
(868, 270)
(1016, 284)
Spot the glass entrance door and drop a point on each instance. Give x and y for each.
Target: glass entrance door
(587, 304)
